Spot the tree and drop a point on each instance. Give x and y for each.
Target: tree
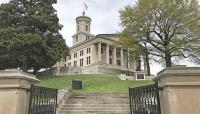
(138, 51)
(29, 35)
(169, 28)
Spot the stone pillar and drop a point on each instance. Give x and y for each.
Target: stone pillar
(122, 57)
(107, 54)
(15, 91)
(58, 68)
(179, 90)
(94, 57)
(128, 58)
(99, 52)
(145, 65)
(114, 55)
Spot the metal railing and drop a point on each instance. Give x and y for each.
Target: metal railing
(144, 100)
(42, 100)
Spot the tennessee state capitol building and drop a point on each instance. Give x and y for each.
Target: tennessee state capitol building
(100, 54)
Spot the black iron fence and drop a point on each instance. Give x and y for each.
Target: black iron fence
(43, 100)
(144, 100)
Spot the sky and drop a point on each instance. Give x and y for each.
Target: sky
(104, 15)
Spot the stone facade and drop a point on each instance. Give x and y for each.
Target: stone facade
(15, 91)
(92, 54)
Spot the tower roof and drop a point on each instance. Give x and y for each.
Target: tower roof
(79, 18)
(83, 17)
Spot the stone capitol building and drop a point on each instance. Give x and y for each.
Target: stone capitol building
(96, 54)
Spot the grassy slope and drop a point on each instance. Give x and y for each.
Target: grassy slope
(92, 83)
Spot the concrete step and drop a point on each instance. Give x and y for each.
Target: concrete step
(92, 103)
(100, 95)
(94, 112)
(97, 97)
(98, 100)
(95, 108)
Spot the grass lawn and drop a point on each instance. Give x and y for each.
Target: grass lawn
(92, 83)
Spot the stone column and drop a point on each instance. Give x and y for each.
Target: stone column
(145, 65)
(107, 54)
(179, 90)
(114, 55)
(99, 52)
(122, 57)
(94, 57)
(57, 73)
(128, 59)
(15, 91)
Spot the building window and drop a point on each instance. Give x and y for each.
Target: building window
(78, 27)
(70, 57)
(81, 53)
(75, 55)
(81, 62)
(76, 38)
(88, 50)
(75, 63)
(87, 37)
(69, 64)
(86, 27)
(65, 65)
(88, 60)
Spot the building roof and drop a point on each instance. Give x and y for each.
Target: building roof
(108, 35)
(104, 36)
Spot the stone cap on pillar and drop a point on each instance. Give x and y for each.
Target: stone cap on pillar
(17, 74)
(179, 75)
(179, 70)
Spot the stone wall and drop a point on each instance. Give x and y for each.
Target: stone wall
(93, 69)
(110, 70)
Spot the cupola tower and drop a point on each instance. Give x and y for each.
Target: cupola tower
(83, 24)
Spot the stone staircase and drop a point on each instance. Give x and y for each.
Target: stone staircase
(93, 103)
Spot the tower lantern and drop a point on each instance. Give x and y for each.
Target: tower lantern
(83, 23)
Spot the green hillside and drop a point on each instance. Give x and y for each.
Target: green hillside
(92, 83)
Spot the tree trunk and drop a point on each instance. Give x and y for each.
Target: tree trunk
(148, 64)
(34, 72)
(168, 60)
(36, 69)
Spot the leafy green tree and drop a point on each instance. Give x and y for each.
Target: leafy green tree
(29, 35)
(168, 28)
(138, 51)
